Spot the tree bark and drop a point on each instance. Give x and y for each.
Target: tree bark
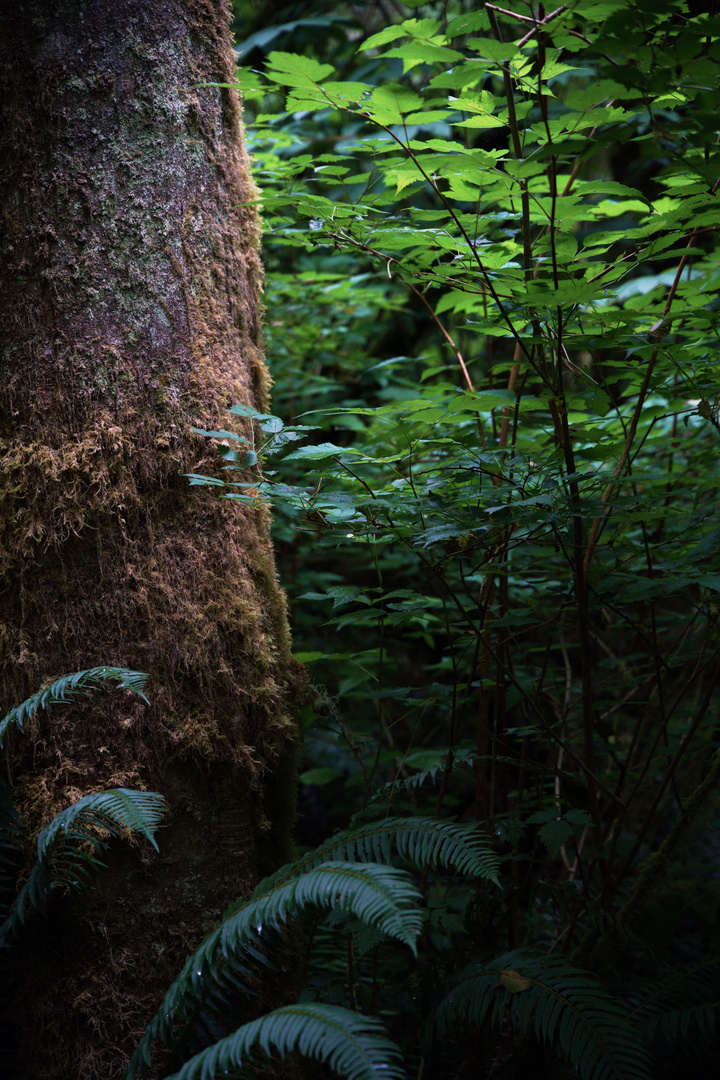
(130, 285)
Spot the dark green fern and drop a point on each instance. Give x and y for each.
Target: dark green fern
(68, 687)
(69, 849)
(379, 895)
(355, 1046)
(558, 1004)
(422, 841)
(347, 873)
(682, 1007)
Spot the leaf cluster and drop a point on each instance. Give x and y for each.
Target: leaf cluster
(491, 247)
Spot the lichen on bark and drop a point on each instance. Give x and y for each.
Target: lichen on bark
(130, 302)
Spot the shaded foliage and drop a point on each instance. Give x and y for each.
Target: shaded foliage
(491, 245)
(491, 241)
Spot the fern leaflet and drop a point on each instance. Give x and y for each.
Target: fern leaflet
(423, 841)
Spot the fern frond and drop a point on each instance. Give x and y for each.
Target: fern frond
(423, 841)
(559, 1004)
(69, 848)
(464, 759)
(379, 895)
(681, 1007)
(355, 1046)
(116, 811)
(432, 771)
(68, 687)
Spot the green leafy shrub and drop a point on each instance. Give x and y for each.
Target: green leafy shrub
(492, 317)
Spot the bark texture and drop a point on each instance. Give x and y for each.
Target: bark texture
(129, 314)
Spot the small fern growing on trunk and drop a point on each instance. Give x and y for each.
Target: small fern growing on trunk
(71, 846)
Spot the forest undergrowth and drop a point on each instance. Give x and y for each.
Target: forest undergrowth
(491, 246)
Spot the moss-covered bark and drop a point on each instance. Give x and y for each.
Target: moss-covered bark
(129, 313)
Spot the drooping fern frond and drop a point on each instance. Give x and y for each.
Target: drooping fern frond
(555, 1002)
(116, 811)
(423, 841)
(355, 1046)
(381, 896)
(68, 687)
(682, 1007)
(69, 849)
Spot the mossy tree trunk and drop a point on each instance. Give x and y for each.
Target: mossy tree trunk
(129, 307)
